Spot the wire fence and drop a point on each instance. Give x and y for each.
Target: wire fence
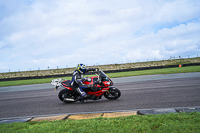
(149, 59)
(117, 62)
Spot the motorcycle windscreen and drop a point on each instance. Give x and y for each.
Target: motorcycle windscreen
(105, 77)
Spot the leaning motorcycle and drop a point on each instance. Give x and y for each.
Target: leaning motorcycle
(103, 86)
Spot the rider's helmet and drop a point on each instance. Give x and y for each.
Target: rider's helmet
(81, 68)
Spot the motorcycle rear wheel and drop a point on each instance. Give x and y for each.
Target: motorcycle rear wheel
(65, 94)
(113, 94)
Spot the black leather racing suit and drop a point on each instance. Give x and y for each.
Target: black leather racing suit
(77, 84)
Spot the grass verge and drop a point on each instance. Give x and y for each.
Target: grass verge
(174, 122)
(112, 75)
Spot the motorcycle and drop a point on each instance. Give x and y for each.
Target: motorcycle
(102, 87)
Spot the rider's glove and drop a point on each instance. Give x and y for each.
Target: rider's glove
(91, 69)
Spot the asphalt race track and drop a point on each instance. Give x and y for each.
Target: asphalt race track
(139, 92)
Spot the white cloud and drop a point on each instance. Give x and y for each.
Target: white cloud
(104, 32)
(178, 40)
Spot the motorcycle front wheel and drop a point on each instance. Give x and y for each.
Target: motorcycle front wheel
(113, 94)
(65, 94)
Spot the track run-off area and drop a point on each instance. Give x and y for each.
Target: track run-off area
(138, 92)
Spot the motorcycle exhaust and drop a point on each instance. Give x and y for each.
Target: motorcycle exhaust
(68, 100)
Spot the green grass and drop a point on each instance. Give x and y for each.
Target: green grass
(112, 75)
(156, 71)
(167, 123)
(29, 81)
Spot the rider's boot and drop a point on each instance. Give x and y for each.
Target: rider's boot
(84, 97)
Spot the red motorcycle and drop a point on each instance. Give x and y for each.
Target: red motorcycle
(102, 86)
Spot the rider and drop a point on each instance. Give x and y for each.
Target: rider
(77, 78)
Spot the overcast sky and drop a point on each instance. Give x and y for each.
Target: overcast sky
(35, 34)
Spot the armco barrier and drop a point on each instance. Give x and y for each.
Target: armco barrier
(111, 114)
(109, 71)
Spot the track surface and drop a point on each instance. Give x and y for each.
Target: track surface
(141, 92)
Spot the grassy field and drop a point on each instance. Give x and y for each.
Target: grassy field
(112, 75)
(167, 123)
